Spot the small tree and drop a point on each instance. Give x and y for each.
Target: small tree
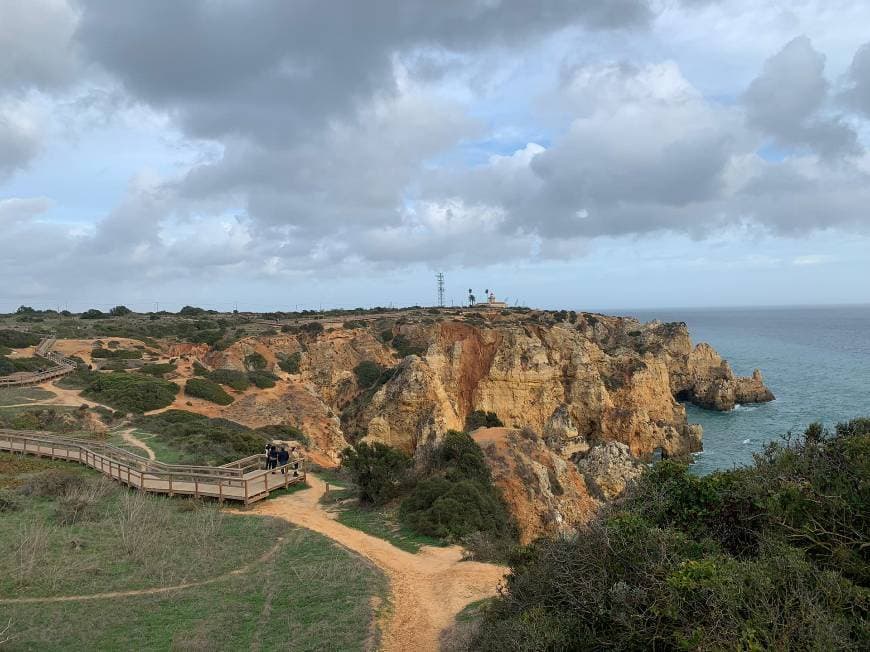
(93, 313)
(367, 373)
(120, 311)
(377, 470)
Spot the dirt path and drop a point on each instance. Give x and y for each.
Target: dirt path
(428, 588)
(265, 557)
(128, 436)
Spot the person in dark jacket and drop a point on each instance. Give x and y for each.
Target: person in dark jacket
(283, 458)
(272, 458)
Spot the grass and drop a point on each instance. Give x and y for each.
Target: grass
(310, 595)
(382, 523)
(16, 395)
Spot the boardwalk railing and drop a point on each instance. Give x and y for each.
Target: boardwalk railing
(244, 480)
(60, 366)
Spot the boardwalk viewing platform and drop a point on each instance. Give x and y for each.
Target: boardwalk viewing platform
(244, 480)
(59, 366)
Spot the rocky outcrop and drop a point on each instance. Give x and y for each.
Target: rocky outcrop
(546, 493)
(608, 468)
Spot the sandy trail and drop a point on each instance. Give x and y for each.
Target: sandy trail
(128, 436)
(428, 588)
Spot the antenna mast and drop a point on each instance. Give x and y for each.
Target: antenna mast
(440, 278)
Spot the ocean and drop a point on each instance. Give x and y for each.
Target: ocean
(816, 360)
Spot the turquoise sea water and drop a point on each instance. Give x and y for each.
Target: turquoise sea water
(816, 360)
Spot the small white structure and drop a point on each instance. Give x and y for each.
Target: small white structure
(491, 302)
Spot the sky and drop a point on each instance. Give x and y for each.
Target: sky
(570, 154)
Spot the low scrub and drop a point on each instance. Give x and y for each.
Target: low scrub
(262, 379)
(13, 339)
(773, 556)
(158, 369)
(290, 363)
(238, 380)
(255, 361)
(481, 419)
(117, 354)
(207, 390)
(130, 392)
(367, 373)
(204, 440)
(379, 471)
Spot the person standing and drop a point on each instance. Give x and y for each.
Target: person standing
(272, 457)
(283, 458)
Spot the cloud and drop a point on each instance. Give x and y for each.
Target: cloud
(858, 95)
(19, 136)
(787, 102)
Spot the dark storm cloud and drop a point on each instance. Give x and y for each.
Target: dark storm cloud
(786, 101)
(269, 69)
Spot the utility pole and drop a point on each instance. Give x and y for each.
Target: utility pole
(440, 278)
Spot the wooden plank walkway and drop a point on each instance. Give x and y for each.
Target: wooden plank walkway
(244, 480)
(61, 366)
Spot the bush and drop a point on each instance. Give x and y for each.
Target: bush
(157, 369)
(208, 390)
(312, 328)
(120, 311)
(93, 313)
(191, 311)
(52, 483)
(120, 354)
(17, 339)
(290, 364)
(262, 379)
(767, 557)
(6, 366)
(284, 431)
(481, 419)
(255, 361)
(199, 370)
(204, 440)
(130, 392)
(404, 347)
(367, 373)
(377, 470)
(238, 380)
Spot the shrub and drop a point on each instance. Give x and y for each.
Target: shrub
(255, 361)
(767, 557)
(157, 369)
(120, 311)
(130, 392)
(387, 335)
(121, 354)
(191, 311)
(482, 419)
(290, 364)
(52, 483)
(17, 339)
(404, 347)
(6, 366)
(312, 328)
(204, 440)
(283, 431)
(93, 313)
(377, 470)
(262, 379)
(238, 380)
(367, 373)
(199, 370)
(208, 390)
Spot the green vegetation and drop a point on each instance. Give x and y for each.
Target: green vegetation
(773, 556)
(367, 373)
(404, 347)
(255, 361)
(158, 369)
(378, 471)
(290, 364)
(93, 313)
(14, 365)
(12, 339)
(120, 311)
(56, 419)
(128, 392)
(283, 431)
(208, 390)
(75, 533)
(202, 440)
(238, 380)
(481, 419)
(262, 379)
(118, 354)
(449, 497)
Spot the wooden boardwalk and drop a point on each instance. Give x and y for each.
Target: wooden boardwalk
(59, 366)
(244, 480)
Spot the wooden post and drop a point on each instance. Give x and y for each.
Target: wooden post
(220, 491)
(246, 491)
(196, 487)
(170, 486)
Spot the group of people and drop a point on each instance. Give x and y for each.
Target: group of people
(278, 457)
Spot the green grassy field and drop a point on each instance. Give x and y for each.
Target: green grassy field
(69, 532)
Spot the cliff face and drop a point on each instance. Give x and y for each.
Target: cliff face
(584, 397)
